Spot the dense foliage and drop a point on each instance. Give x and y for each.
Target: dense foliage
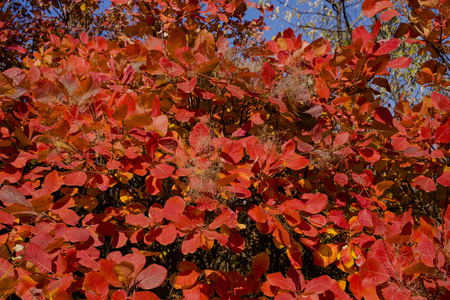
(169, 164)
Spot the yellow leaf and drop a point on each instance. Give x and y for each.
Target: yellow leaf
(125, 197)
(342, 284)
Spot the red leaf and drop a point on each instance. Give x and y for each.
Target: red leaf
(427, 251)
(444, 179)
(187, 277)
(280, 103)
(441, 102)
(260, 264)
(258, 214)
(340, 178)
(373, 273)
(365, 218)
(76, 178)
(232, 152)
(6, 269)
(297, 162)
(388, 15)
(400, 143)
(6, 218)
(153, 185)
(138, 220)
(10, 194)
(102, 181)
(145, 296)
(382, 115)
(173, 206)
(222, 239)
(355, 285)
(425, 183)
(151, 144)
(399, 63)
(235, 91)
(47, 92)
(268, 74)
(396, 292)
(288, 150)
(51, 183)
(107, 271)
(318, 285)
(192, 242)
(322, 90)
(304, 147)
(95, 286)
(119, 295)
(222, 44)
(37, 256)
(200, 137)
(228, 218)
(187, 86)
(364, 179)
(152, 277)
(341, 139)
(171, 68)
(162, 171)
(371, 7)
(278, 280)
(316, 204)
(76, 234)
(443, 133)
(370, 155)
(167, 235)
(238, 191)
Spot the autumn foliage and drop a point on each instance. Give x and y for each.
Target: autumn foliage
(172, 164)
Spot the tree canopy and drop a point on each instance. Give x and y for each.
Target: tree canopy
(162, 150)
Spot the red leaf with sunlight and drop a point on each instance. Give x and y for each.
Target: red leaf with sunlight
(95, 286)
(76, 178)
(232, 152)
(386, 46)
(443, 133)
(200, 137)
(371, 7)
(425, 183)
(187, 86)
(400, 62)
(174, 206)
(278, 280)
(440, 102)
(151, 277)
(373, 273)
(444, 179)
(318, 285)
(146, 295)
(107, 271)
(316, 203)
(171, 68)
(268, 74)
(162, 171)
(37, 256)
(396, 292)
(297, 162)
